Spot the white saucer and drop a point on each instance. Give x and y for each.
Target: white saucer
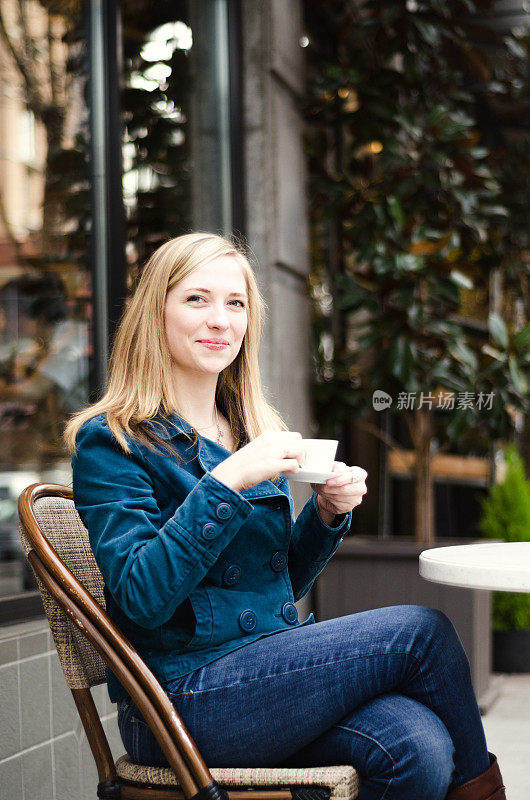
(303, 476)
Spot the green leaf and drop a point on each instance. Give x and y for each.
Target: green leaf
(498, 330)
(517, 49)
(407, 262)
(460, 279)
(401, 359)
(351, 296)
(521, 339)
(457, 425)
(498, 211)
(463, 354)
(479, 152)
(518, 380)
(428, 32)
(395, 209)
(488, 350)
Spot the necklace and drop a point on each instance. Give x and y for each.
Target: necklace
(216, 423)
(219, 431)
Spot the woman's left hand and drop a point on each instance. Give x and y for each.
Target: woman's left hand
(342, 493)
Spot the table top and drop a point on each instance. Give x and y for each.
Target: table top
(489, 565)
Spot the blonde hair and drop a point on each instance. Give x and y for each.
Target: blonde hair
(140, 380)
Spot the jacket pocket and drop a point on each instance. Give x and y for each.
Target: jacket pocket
(202, 610)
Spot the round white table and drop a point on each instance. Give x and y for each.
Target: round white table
(497, 565)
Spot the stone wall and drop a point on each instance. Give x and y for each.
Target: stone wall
(44, 754)
(276, 193)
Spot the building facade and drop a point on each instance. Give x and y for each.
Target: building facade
(116, 134)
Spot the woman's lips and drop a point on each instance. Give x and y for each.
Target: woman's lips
(213, 345)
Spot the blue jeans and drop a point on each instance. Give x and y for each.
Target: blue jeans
(388, 691)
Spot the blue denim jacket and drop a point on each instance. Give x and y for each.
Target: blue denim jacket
(192, 568)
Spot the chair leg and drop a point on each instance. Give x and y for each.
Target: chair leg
(109, 790)
(95, 734)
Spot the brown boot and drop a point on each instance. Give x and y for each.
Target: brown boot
(488, 786)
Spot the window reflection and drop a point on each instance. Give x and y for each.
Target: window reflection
(176, 177)
(45, 293)
(175, 120)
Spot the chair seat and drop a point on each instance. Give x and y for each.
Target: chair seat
(342, 781)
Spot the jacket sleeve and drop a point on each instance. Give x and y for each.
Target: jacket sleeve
(149, 568)
(312, 545)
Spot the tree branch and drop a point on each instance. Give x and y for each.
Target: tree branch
(55, 76)
(386, 438)
(33, 98)
(415, 436)
(31, 49)
(8, 228)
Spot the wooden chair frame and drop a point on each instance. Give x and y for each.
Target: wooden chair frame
(194, 777)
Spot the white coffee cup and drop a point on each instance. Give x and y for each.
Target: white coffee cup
(320, 454)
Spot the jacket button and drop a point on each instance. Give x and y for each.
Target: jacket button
(231, 574)
(278, 561)
(247, 620)
(223, 511)
(289, 613)
(210, 531)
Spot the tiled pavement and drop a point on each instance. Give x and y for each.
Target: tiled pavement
(507, 726)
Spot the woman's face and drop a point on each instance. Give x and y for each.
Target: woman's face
(206, 317)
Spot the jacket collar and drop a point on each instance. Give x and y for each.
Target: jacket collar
(169, 427)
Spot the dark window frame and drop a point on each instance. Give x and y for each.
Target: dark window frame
(235, 72)
(20, 608)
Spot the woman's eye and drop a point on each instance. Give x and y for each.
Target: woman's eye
(194, 297)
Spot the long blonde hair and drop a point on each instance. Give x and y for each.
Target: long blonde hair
(140, 380)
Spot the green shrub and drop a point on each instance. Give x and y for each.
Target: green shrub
(506, 516)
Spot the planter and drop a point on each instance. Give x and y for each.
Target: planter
(370, 573)
(511, 651)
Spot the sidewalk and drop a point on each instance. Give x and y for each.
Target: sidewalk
(507, 726)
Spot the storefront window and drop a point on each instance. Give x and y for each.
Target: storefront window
(57, 270)
(175, 113)
(45, 293)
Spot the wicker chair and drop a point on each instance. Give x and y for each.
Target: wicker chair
(57, 547)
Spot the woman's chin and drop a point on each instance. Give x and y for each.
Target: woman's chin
(213, 366)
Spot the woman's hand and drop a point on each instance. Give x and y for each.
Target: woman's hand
(265, 456)
(342, 493)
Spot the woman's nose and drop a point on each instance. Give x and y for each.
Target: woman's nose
(218, 317)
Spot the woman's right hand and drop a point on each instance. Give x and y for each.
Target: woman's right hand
(265, 456)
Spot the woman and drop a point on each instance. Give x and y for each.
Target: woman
(180, 477)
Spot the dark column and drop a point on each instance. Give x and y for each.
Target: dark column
(236, 115)
(108, 231)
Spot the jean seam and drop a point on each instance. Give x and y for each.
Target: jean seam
(420, 671)
(385, 751)
(455, 775)
(290, 672)
(136, 721)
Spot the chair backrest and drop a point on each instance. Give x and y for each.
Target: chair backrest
(61, 526)
(56, 544)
